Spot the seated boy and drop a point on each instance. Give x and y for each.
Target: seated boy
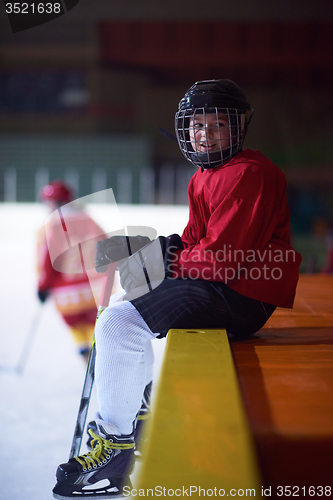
(230, 269)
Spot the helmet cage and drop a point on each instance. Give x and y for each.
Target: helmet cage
(225, 148)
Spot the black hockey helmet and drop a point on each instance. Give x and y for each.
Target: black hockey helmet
(213, 97)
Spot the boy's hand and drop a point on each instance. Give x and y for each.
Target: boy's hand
(151, 264)
(117, 248)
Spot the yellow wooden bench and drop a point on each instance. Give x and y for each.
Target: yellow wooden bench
(199, 441)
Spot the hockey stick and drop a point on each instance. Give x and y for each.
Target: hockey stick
(90, 373)
(28, 343)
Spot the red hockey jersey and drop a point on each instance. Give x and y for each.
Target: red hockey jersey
(238, 230)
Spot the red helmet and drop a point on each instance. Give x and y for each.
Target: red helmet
(58, 192)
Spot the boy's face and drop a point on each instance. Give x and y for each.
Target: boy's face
(209, 132)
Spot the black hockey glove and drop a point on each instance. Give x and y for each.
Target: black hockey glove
(117, 248)
(150, 265)
(43, 295)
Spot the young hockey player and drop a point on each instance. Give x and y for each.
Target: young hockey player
(230, 269)
(68, 285)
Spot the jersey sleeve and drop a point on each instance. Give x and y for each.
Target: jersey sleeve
(47, 275)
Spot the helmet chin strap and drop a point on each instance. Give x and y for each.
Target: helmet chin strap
(210, 160)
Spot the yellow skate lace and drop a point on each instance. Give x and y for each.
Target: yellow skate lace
(144, 416)
(100, 451)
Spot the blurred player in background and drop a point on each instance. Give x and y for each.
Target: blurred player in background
(70, 288)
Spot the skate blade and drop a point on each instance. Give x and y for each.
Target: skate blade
(79, 494)
(108, 492)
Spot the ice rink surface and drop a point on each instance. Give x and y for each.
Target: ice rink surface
(39, 407)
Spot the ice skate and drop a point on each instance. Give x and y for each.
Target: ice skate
(103, 471)
(139, 436)
(143, 416)
(92, 426)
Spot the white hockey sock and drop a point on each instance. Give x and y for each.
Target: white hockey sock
(149, 361)
(122, 368)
